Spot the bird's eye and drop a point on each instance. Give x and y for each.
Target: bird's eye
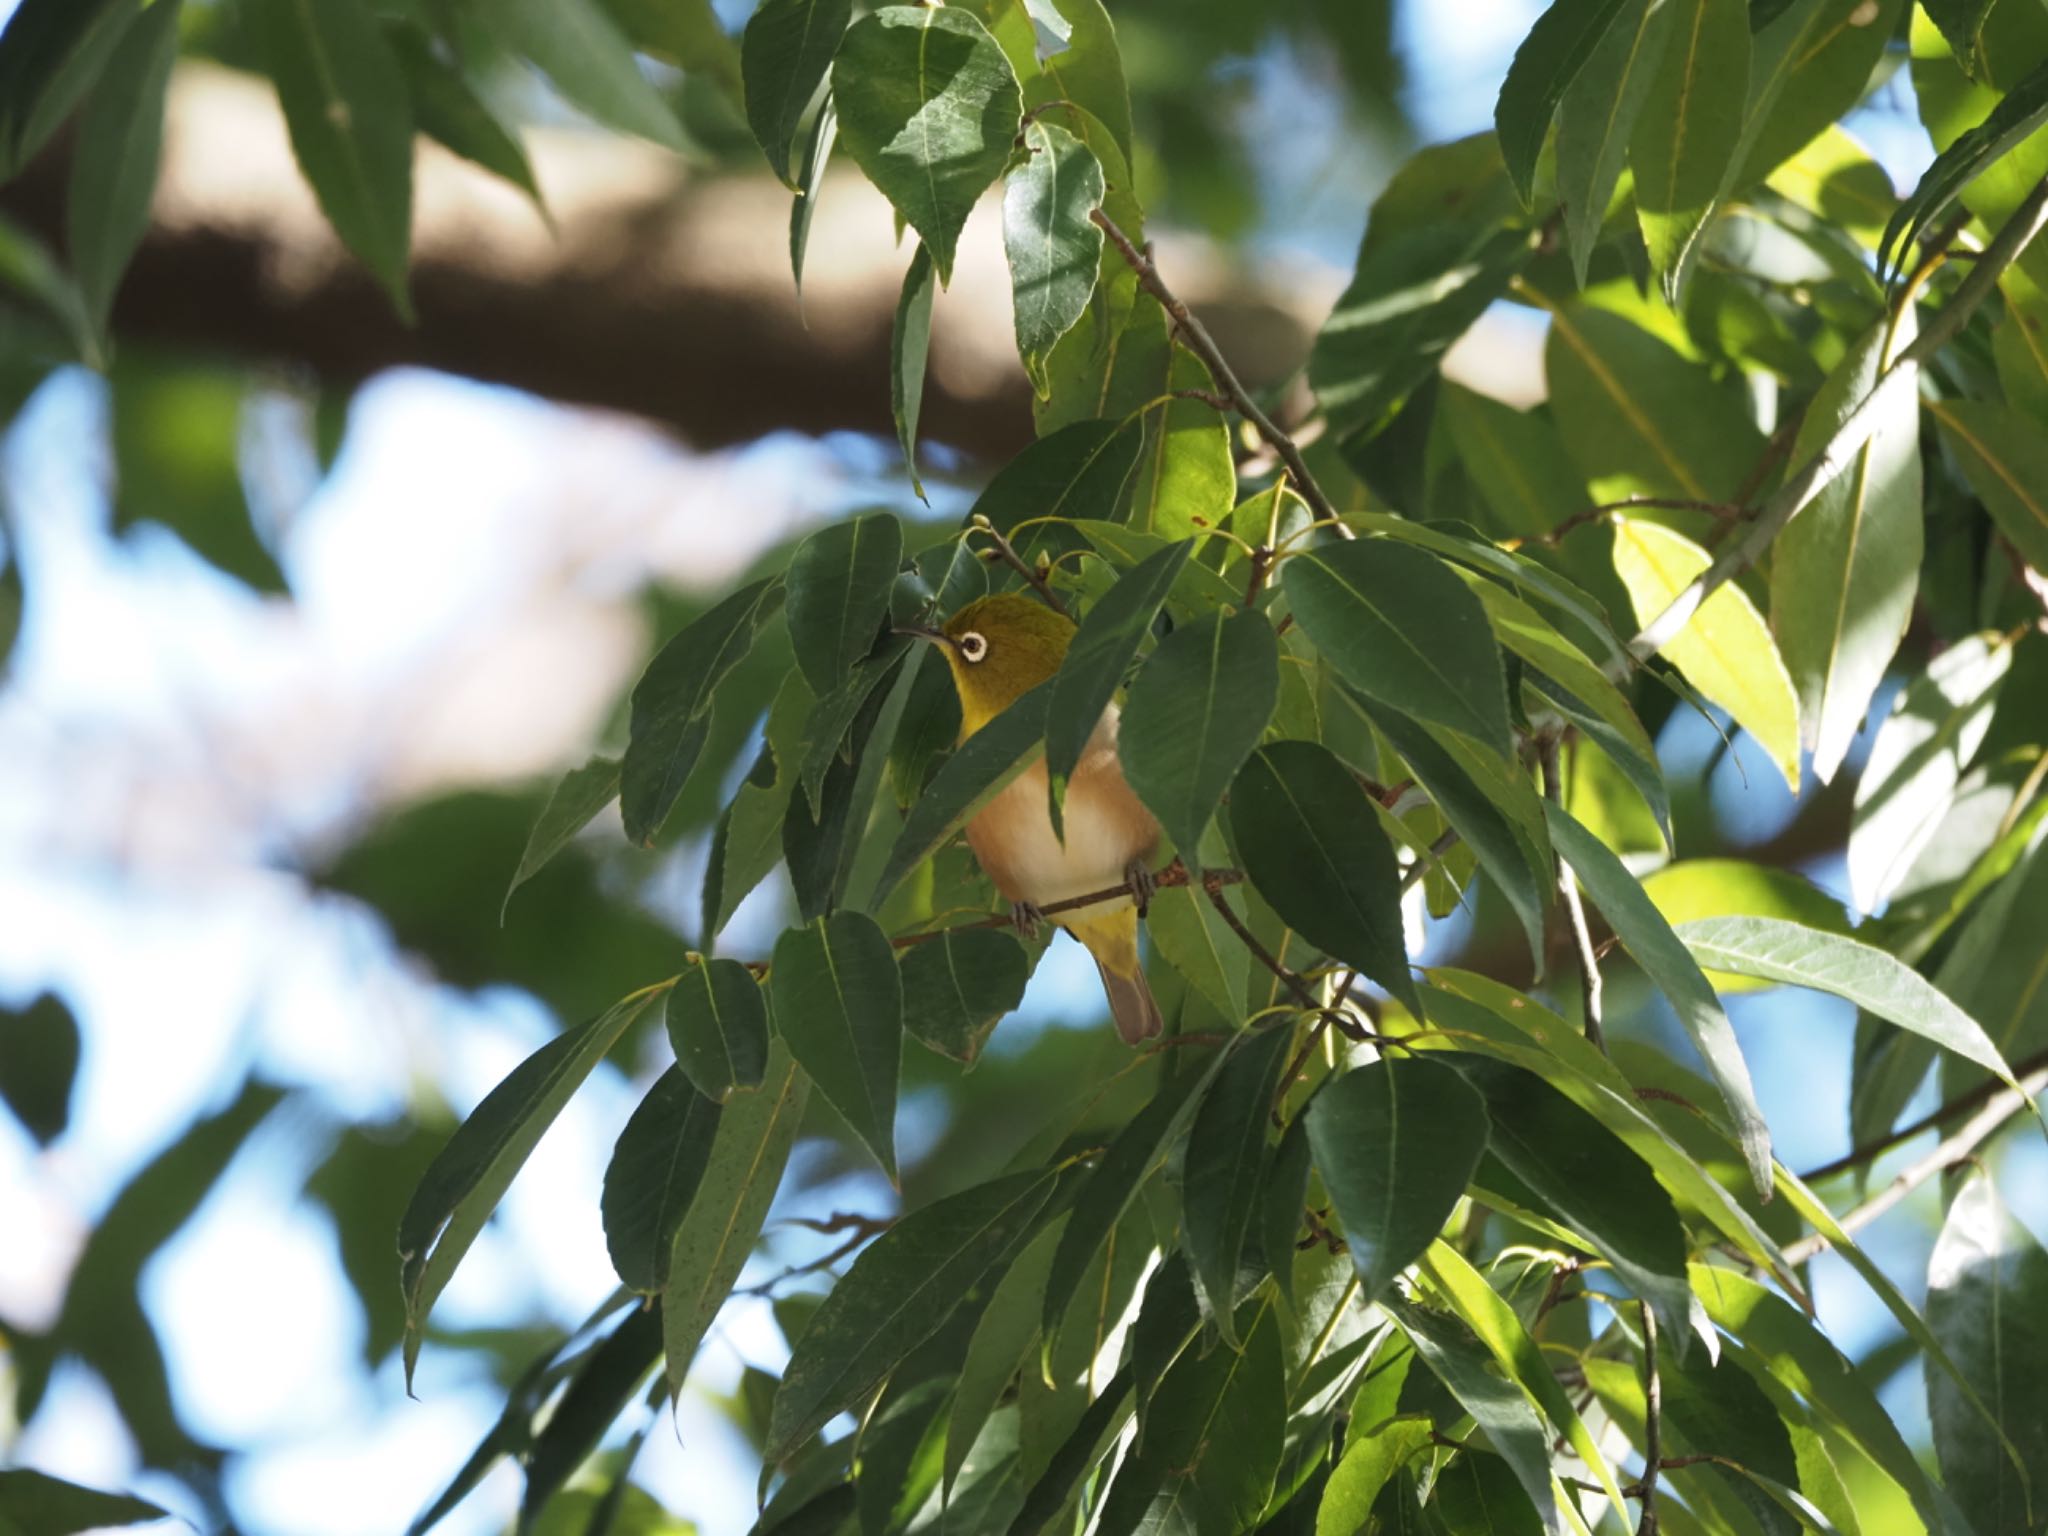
(972, 646)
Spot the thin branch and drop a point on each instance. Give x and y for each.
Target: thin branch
(1445, 842)
(1220, 370)
(1007, 553)
(1997, 1109)
(1653, 1425)
(1207, 397)
(1574, 908)
(1265, 957)
(1962, 1103)
(1723, 511)
(1807, 481)
(1175, 874)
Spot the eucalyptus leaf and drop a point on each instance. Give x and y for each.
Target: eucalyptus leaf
(35, 1504)
(839, 581)
(1564, 38)
(653, 1174)
(1596, 117)
(2003, 458)
(718, 1026)
(959, 986)
(51, 52)
(1224, 1167)
(838, 1005)
(452, 113)
(785, 54)
(1054, 247)
(572, 805)
(910, 344)
(580, 48)
(1682, 152)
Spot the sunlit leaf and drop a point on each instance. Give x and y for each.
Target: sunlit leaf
(572, 805)
(1054, 248)
(1680, 152)
(1596, 116)
(910, 343)
(1564, 38)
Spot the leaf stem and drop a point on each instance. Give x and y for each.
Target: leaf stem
(1574, 908)
(1007, 552)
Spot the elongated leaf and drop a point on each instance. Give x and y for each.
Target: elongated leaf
(454, 115)
(2004, 458)
(1501, 1408)
(1643, 929)
(985, 763)
(607, 1380)
(1696, 888)
(1845, 571)
(571, 807)
(718, 1026)
(1054, 248)
(1726, 651)
(1369, 1464)
(464, 1183)
(1077, 1457)
(1681, 152)
(1305, 829)
(50, 54)
(1281, 1206)
(838, 713)
(113, 167)
(1076, 472)
(1190, 935)
(1224, 1168)
(1194, 715)
(1187, 475)
(1101, 652)
(958, 987)
(580, 48)
(1772, 949)
(810, 182)
(785, 54)
(839, 1006)
(660, 1156)
(996, 1351)
(910, 344)
(672, 704)
(1550, 58)
(1580, 686)
(928, 108)
(1396, 1143)
(1596, 117)
(2015, 117)
(350, 117)
(36, 1504)
(748, 1155)
(1403, 629)
(839, 581)
(1962, 23)
(896, 1295)
(747, 841)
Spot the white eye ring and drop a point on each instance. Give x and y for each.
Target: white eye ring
(973, 646)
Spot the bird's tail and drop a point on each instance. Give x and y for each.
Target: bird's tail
(1113, 940)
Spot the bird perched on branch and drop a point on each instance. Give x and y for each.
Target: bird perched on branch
(999, 649)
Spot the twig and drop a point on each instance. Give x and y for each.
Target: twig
(1872, 1150)
(1653, 1426)
(1220, 370)
(1207, 397)
(1263, 955)
(1262, 565)
(1997, 1109)
(1446, 840)
(1807, 481)
(1007, 552)
(1175, 874)
(1725, 511)
(1574, 909)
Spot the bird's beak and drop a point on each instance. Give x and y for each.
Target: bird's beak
(920, 632)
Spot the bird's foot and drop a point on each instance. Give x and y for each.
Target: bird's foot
(1140, 881)
(1026, 918)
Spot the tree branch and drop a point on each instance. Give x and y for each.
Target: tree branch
(1175, 874)
(1265, 957)
(1872, 1150)
(1723, 511)
(1007, 553)
(1653, 1424)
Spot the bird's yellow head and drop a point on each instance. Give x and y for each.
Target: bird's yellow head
(1000, 648)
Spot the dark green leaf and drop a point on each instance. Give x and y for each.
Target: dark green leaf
(672, 704)
(1550, 58)
(1396, 1143)
(113, 166)
(1809, 67)
(1224, 1168)
(1054, 248)
(653, 1174)
(1194, 715)
(580, 48)
(1168, 1320)
(2017, 114)
(958, 987)
(35, 1504)
(50, 54)
(1076, 472)
(998, 1347)
(1403, 629)
(1596, 116)
(1077, 1457)
(2004, 458)
(351, 123)
(1962, 23)
(1284, 1200)
(928, 107)
(581, 794)
(1311, 844)
(465, 1182)
(451, 112)
(1665, 960)
(718, 1025)
(755, 1134)
(838, 712)
(596, 1395)
(810, 182)
(896, 1295)
(1718, 1403)
(819, 846)
(1681, 152)
(39, 1049)
(839, 1005)
(785, 54)
(839, 581)
(910, 345)
(747, 842)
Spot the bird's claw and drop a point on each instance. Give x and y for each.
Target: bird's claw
(1141, 882)
(1026, 918)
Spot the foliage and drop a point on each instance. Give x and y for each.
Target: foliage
(1363, 1245)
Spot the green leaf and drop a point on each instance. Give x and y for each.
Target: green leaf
(1191, 936)
(653, 1174)
(839, 581)
(350, 117)
(810, 182)
(596, 1395)
(114, 163)
(1666, 961)
(51, 52)
(1311, 844)
(1810, 66)
(1962, 23)
(2003, 457)
(997, 1349)
(1695, 888)
(928, 107)
(1396, 1142)
(1844, 573)
(982, 766)
(1500, 1407)
(1088, 72)
(1726, 651)
(747, 841)
(1281, 1206)
(671, 714)
(1054, 248)
(839, 1006)
(572, 805)
(1594, 1183)
(1987, 1296)
(785, 54)
(910, 345)
(897, 1294)
(1193, 716)
(466, 1180)
(1582, 689)
(2015, 117)
(36, 1504)
(1681, 152)
(1400, 627)
(1224, 1167)
(1597, 116)
(1772, 949)
(1564, 38)
(1076, 472)
(718, 1026)
(1369, 1464)
(1061, 1481)
(845, 712)
(39, 1052)
(959, 986)
(580, 48)
(451, 112)
(1187, 475)
(755, 1134)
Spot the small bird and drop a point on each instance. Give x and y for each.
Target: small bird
(998, 649)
